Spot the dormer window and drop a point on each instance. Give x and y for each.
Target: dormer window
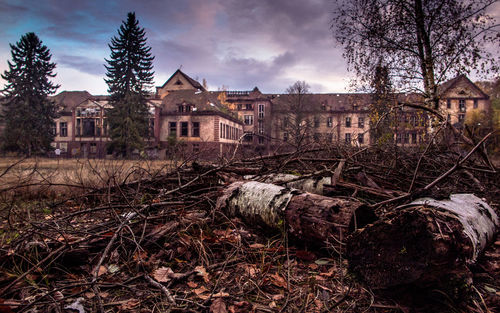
(185, 108)
(178, 82)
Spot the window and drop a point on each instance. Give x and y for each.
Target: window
(285, 136)
(105, 127)
(248, 137)
(414, 138)
(261, 140)
(329, 121)
(261, 110)
(53, 130)
(248, 119)
(88, 127)
(172, 129)
(78, 127)
(361, 122)
(196, 129)
(448, 103)
(63, 146)
(399, 138)
(316, 137)
(93, 147)
(461, 105)
(63, 129)
(184, 129)
(285, 122)
(196, 147)
(248, 106)
(348, 138)
(361, 138)
(348, 122)
(329, 137)
(476, 104)
(461, 118)
(316, 122)
(407, 138)
(221, 130)
(261, 127)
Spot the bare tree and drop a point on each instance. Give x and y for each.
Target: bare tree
(295, 113)
(423, 42)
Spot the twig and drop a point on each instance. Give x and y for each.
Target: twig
(164, 289)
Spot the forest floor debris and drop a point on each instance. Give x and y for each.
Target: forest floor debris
(158, 244)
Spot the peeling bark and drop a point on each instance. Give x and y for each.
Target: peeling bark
(423, 243)
(310, 217)
(310, 184)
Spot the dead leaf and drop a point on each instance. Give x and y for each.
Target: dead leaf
(102, 270)
(201, 271)
(163, 274)
(192, 284)
(220, 294)
(278, 281)
(256, 246)
(272, 305)
(130, 304)
(218, 306)
(277, 297)
(200, 293)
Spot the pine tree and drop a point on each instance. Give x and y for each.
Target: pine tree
(28, 113)
(129, 77)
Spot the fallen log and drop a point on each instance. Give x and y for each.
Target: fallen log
(310, 217)
(307, 184)
(426, 242)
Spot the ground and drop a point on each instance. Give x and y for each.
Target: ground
(137, 236)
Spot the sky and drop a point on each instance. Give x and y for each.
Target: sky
(236, 44)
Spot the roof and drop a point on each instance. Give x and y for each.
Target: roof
(322, 102)
(447, 85)
(202, 101)
(193, 82)
(71, 99)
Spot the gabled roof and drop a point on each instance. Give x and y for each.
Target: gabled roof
(202, 101)
(193, 82)
(447, 85)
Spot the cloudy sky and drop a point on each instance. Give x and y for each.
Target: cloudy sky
(236, 43)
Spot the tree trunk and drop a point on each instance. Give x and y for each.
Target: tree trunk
(310, 217)
(427, 242)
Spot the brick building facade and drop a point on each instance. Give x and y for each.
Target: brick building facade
(186, 118)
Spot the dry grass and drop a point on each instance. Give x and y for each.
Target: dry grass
(34, 177)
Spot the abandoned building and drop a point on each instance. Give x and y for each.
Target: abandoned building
(187, 118)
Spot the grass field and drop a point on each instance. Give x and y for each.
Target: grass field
(60, 176)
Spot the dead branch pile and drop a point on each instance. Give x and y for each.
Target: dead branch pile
(159, 243)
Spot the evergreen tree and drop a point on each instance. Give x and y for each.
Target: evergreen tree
(28, 113)
(129, 77)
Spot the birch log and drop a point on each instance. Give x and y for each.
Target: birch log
(423, 243)
(310, 217)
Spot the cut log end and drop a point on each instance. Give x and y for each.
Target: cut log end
(422, 244)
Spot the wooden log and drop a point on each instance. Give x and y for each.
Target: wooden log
(426, 242)
(310, 217)
(307, 184)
